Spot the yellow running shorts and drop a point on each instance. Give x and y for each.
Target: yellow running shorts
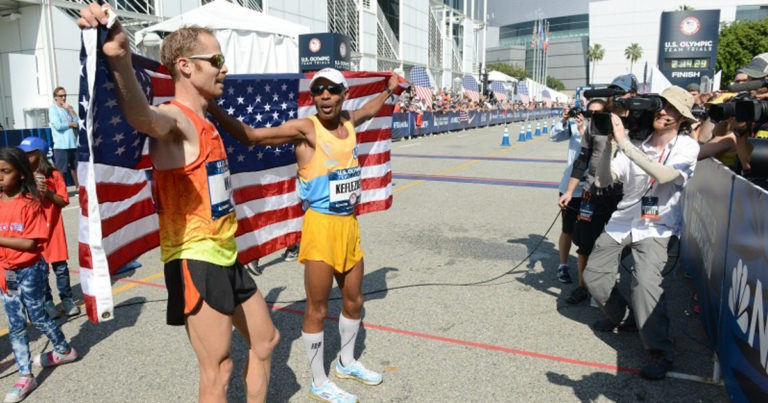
(333, 239)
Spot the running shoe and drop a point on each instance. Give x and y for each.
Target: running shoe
(70, 308)
(52, 358)
(329, 392)
(291, 253)
(52, 310)
(20, 389)
(358, 372)
(254, 268)
(562, 274)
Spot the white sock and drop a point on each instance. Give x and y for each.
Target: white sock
(348, 331)
(313, 343)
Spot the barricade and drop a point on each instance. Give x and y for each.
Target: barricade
(723, 247)
(404, 123)
(13, 138)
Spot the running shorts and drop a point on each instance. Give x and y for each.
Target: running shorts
(190, 282)
(333, 239)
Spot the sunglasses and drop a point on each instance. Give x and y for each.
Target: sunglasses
(60, 95)
(216, 60)
(333, 89)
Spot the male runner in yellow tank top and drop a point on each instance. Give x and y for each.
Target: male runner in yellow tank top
(329, 177)
(208, 289)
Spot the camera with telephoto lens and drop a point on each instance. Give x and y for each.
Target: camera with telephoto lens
(640, 111)
(727, 110)
(575, 111)
(751, 110)
(699, 112)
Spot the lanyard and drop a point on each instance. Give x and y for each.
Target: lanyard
(653, 180)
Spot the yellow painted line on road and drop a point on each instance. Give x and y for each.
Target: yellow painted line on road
(115, 291)
(465, 164)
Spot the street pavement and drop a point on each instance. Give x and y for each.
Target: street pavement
(462, 302)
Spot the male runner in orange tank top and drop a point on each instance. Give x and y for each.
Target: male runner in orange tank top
(329, 176)
(208, 290)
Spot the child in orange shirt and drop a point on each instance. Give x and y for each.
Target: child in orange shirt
(22, 284)
(53, 191)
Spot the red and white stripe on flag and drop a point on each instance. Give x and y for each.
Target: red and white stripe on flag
(473, 95)
(118, 222)
(424, 93)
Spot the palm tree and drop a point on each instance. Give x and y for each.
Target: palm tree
(595, 53)
(685, 8)
(633, 53)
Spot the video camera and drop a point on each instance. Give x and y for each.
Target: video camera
(576, 111)
(640, 111)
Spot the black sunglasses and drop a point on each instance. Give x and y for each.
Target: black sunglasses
(60, 95)
(216, 60)
(334, 89)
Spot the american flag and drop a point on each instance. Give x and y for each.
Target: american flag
(470, 88)
(421, 84)
(118, 222)
(522, 91)
(499, 91)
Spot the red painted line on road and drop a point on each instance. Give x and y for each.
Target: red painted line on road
(443, 339)
(478, 345)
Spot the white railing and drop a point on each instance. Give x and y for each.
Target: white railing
(386, 31)
(435, 51)
(343, 18)
(124, 7)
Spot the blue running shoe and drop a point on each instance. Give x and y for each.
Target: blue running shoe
(329, 392)
(358, 372)
(562, 274)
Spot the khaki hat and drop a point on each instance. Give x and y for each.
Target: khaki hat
(757, 67)
(681, 99)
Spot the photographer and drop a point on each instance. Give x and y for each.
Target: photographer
(597, 204)
(648, 219)
(571, 128)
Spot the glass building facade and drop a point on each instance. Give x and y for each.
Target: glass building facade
(751, 13)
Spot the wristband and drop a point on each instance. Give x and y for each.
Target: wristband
(389, 91)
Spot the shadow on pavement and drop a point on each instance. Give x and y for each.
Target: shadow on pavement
(288, 318)
(91, 334)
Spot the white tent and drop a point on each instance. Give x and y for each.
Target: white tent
(494, 75)
(252, 42)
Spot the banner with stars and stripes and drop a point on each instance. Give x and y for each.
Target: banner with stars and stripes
(118, 222)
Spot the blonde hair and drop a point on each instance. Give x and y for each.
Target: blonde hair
(180, 43)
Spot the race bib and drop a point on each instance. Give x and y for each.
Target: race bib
(344, 190)
(219, 188)
(650, 207)
(586, 210)
(11, 284)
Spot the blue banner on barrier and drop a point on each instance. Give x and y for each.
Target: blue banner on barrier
(743, 345)
(400, 123)
(426, 125)
(442, 122)
(703, 239)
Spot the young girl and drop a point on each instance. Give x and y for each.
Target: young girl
(53, 191)
(22, 283)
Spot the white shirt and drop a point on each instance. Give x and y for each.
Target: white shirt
(681, 154)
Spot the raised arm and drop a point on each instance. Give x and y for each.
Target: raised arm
(133, 104)
(371, 108)
(291, 131)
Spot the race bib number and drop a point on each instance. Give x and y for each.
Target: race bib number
(11, 284)
(219, 188)
(345, 190)
(586, 210)
(650, 207)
